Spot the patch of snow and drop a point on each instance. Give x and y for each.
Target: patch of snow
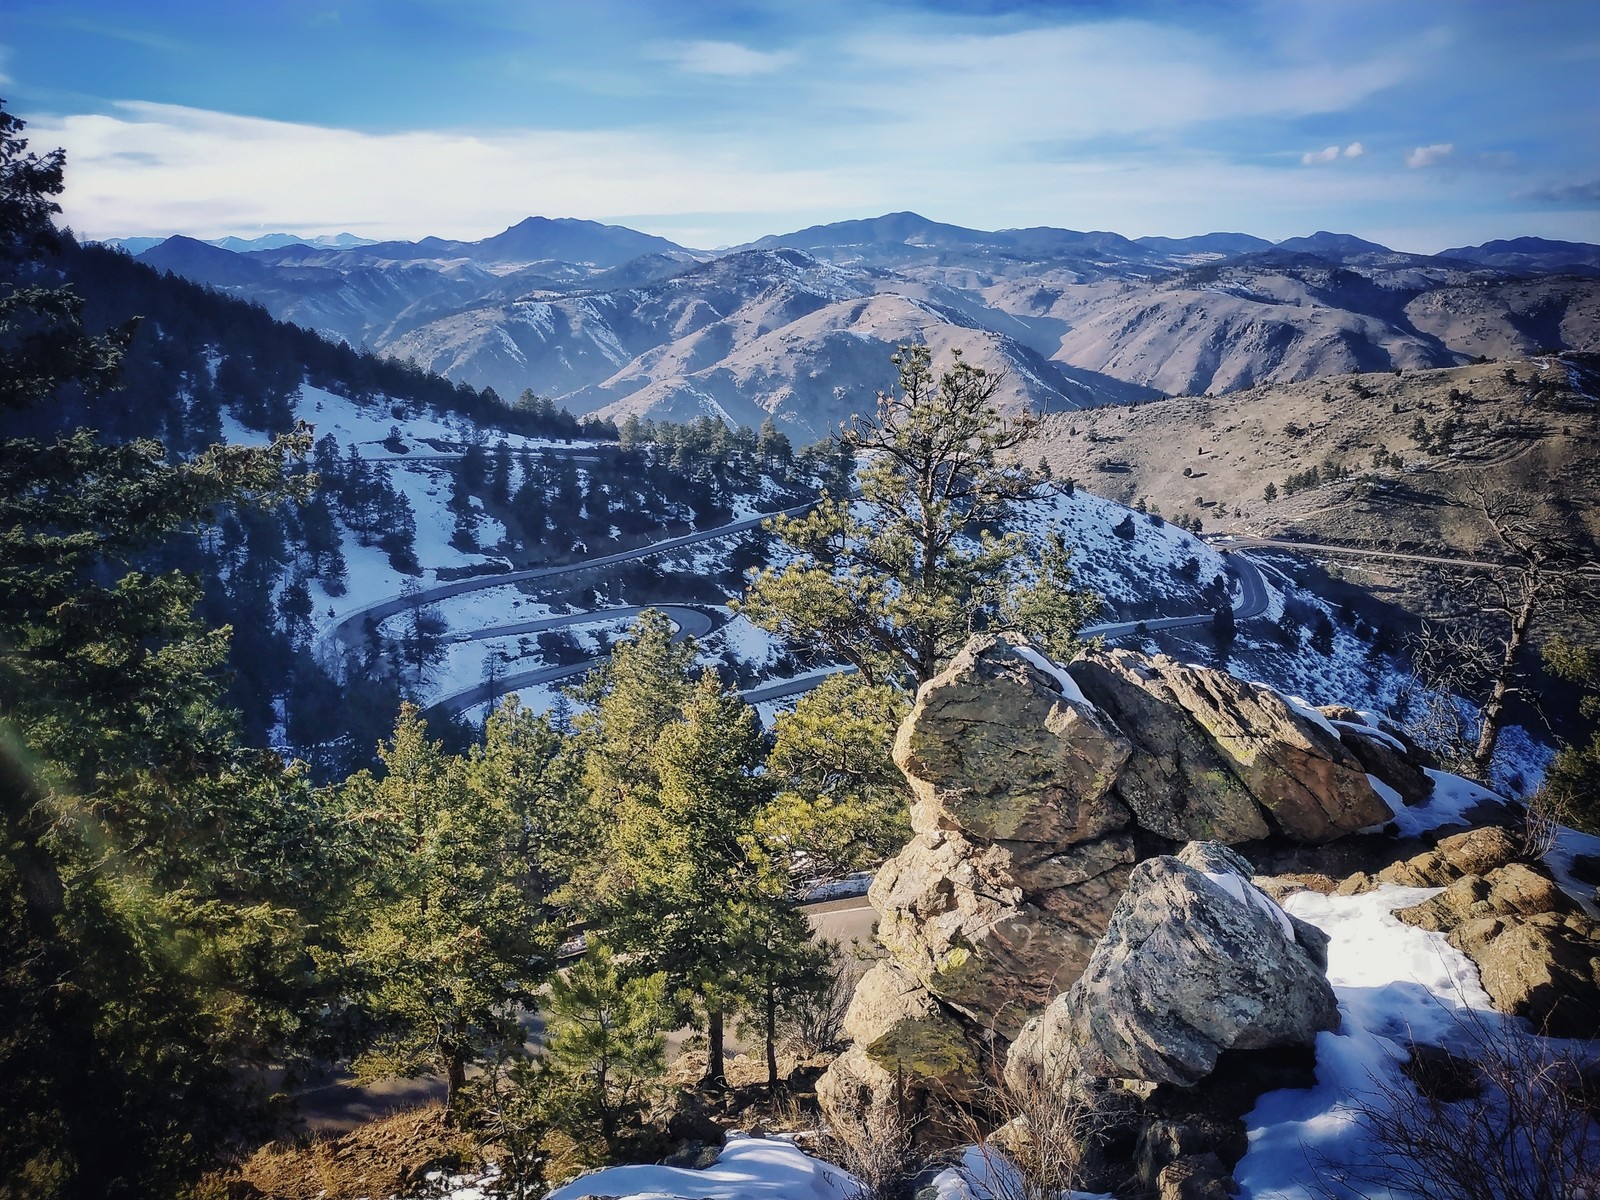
(1559, 858)
(1068, 685)
(1388, 795)
(1395, 984)
(1245, 892)
(986, 1174)
(748, 1168)
(839, 889)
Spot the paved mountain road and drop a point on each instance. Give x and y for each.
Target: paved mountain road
(350, 627)
(691, 622)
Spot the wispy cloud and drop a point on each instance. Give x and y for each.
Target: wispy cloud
(1585, 193)
(1427, 156)
(725, 59)
(1329, 154)
(164, 168)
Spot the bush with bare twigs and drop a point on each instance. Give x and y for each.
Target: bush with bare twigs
(1039, 1150)
(813, 1020)
(1515, 1116)
(875, 1144)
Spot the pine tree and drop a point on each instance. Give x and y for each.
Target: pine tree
(896, 592)
(449, 926)
(680, 866)
(161, 885)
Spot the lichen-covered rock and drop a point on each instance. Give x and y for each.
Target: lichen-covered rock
(1207, 743)
(901, 1029)
(995, 749)
(958, 916)
(1194, 963)
(1545, 967)
(1175, 782)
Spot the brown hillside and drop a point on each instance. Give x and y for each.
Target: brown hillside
(1406, 452)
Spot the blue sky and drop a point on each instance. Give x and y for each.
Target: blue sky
(1418, 123)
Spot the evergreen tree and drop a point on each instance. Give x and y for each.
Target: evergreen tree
(897, 592)
(449, 927)
(680, 879)
(606, 1046)
(160, 886)
(842, 804)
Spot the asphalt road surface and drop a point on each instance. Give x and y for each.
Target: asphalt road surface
(351, 627)
(691, 622)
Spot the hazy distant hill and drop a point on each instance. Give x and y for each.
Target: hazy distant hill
(800, 325)
(1535, 255)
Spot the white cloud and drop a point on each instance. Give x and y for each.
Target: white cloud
(1427, 156)
(1329, 153)
(726, 59)
(155, 168)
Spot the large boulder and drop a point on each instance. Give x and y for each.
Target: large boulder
(1196, 961)
(992, 933)
(1002, 748)
(1206, 743)
(1176, 783)
(901, 1029)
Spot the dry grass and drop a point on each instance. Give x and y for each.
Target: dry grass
(1235, 444)
(383, 1158)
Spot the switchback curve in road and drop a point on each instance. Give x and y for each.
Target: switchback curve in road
(350, 627)
(690, 622)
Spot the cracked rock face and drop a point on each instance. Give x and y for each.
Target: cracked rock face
(1196, 961)
(1219, 759)
(992, 935)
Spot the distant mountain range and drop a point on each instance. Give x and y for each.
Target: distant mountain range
(800, 326)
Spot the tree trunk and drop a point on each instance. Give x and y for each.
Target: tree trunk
(456, 1079)
(1494, 711)
(716, 1069)
(772, 1039)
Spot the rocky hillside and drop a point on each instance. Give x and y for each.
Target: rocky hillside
(797, 325)
(1368, 459)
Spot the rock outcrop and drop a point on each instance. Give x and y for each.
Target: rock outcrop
(1197, 961)
(1033, 788)
(1219, 759)
(1537, 953)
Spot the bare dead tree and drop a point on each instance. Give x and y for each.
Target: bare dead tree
(1490, 615)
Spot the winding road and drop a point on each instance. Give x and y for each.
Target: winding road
(690, 621)
(350, 627)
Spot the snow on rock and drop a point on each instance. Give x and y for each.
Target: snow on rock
(1069, 687)
(1452, 799)
(1245, 892)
